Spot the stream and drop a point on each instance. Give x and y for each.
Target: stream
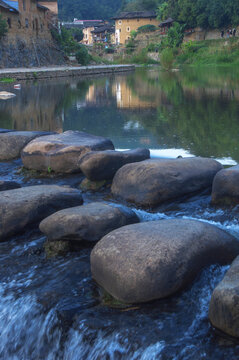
(50, 308)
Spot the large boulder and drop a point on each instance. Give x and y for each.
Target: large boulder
(61, 152)
(152, 260)
(8, 185)
(102, 165)
(225, 188)
(151, 182)
(12, 142)
(224, 305)
(29, 205)
(86, 223)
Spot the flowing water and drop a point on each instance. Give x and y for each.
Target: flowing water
(51, 308)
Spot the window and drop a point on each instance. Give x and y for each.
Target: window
(128, 37)
(24, 4)
(26, 23)
(128, 29)
(120, 22)
(9, 23)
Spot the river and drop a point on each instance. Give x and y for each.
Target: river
(51, 308)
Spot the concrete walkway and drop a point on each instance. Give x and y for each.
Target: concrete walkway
(62, 71)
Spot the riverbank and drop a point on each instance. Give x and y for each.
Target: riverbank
(62, 71)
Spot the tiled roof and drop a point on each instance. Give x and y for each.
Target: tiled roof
(165, 22)
(103, 28)
(9, 5)
(136, 15)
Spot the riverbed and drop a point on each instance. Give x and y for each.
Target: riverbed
(51, 308)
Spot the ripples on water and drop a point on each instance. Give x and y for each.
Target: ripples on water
(51, 308)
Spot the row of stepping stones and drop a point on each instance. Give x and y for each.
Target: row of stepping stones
(133, 262)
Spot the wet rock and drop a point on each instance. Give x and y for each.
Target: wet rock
(12, 142)
(152, 260)
(86, 223)
(102, 165)
(87, 185)
(61, 152)
(20, 208)
(57, 248)
(225, 188)
(224, 305)
(5, 130)
(152, 182)
(8, 185)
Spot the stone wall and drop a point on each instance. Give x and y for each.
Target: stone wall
(26, 53)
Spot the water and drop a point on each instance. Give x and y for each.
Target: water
(51, 308)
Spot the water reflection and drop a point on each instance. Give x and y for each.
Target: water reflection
(195, 110)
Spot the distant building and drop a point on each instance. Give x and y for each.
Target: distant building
(165, 25)
(103, 34)
(126, 22)
(27, 19)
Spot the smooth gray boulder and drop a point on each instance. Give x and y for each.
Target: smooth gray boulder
(61, 152)
(225, 188)
(152, 260)
(22, 207)
(86, 223)
(8, 185)
(152, 182)
(102, 165)
(11, 143)
(224, 305)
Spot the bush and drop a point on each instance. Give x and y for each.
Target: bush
(3, 27)
(146, 28)
(109, 50)
(153, 47)
(82, 55)
(167, 58)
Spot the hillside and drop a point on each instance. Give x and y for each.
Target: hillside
(91, 9)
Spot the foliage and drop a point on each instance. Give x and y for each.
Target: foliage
(210, 52)
(109, 50)
(140, 58)
(153, 47)
(91, 9)
(175, 35)
(77, 34)
(167, 59)
(7, 80)
(140, 5)
(3, 27)
(65, 41)
(203, 13)
(147, 28)
(82, 55)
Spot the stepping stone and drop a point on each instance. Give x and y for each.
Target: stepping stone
(225, 188)
(153, 260)
(86, 223)
(224, 305)
(12, 142)
(102, 165)
(22, 207)
(152, 182)
(61, 152)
